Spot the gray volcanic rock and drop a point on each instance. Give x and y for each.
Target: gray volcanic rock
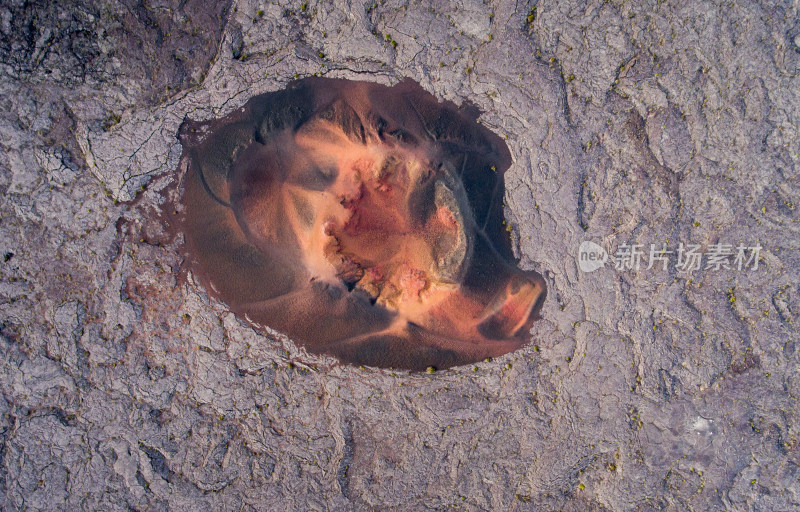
(646, 123)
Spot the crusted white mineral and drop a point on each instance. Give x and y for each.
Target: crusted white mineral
(666, 133)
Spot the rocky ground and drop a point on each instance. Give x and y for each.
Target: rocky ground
(661, 122)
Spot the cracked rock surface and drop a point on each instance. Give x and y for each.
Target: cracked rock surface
(125, 387)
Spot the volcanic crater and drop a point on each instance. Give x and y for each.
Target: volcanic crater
(363, 221)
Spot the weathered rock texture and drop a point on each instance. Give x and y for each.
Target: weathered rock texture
(641, 122)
